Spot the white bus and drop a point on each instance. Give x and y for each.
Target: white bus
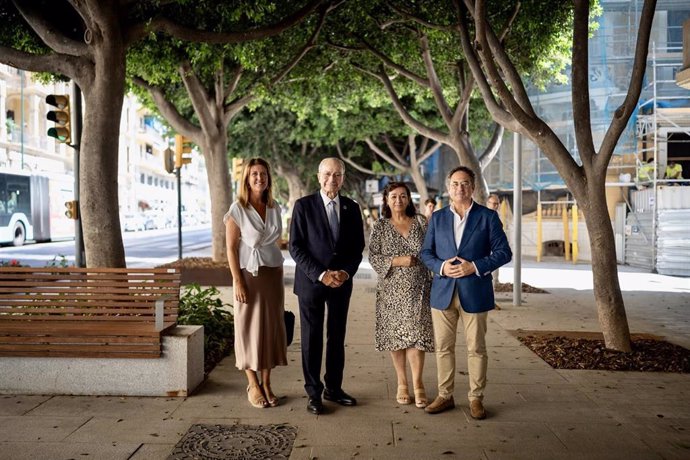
(32, 208)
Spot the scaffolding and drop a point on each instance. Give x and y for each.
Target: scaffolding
(659, 206)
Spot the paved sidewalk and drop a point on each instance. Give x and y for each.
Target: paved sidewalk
(534, 411)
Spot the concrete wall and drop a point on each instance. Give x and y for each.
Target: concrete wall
(176, 373)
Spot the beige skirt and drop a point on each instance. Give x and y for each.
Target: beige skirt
(260, 340)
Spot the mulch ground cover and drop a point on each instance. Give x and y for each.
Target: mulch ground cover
(582, 350)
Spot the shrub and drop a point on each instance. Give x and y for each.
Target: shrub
(203, 307)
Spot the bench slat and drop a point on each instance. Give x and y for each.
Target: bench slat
(82, 354)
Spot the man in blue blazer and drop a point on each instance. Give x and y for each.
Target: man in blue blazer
(464, 243)
(326, 242)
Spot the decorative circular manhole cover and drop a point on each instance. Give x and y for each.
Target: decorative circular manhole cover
(236, 442)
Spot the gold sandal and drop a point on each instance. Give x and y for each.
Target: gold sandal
(420, 399)
(403, 397)
(259, 401)
(272, 399)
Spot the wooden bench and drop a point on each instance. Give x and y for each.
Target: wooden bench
(86, 312)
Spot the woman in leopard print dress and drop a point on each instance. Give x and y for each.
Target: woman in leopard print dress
(403, 314)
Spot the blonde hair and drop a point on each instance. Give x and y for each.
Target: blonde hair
(243, 188)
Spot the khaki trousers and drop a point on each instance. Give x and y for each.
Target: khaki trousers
(445, 332)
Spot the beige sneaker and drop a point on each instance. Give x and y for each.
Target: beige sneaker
(440, 404)
(477, 411)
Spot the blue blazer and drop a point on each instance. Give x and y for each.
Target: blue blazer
(483, 242)
(312, 247)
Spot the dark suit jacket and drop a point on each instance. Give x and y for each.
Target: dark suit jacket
(483, 242)
(311, 244)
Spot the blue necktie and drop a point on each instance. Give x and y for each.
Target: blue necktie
(333, 220)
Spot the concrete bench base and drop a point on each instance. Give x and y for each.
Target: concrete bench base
(176, 373)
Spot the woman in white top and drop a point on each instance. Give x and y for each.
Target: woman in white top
(253, 228)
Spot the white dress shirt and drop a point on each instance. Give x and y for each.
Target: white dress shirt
(459, 224)
(258, 239)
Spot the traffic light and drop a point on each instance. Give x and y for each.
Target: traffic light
(169, 160)
(72, 209)
(183, 146)
(237, 164)
(61, 117)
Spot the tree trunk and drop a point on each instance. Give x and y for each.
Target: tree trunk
(467, 157)
(607, 292)
(419, 183)
(296, 189)
(98, 167)
(220, 188)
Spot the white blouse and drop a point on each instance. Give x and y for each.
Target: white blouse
(258, 239)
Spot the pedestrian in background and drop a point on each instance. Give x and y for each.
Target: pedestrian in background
(464, 243)
(429, 208)
(253, 228)
(494, 203)
(403, 315)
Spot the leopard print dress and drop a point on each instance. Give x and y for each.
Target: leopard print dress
(403, 313)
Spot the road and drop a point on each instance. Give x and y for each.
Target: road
(142, 249)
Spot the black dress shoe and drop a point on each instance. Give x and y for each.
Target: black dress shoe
(340, 397)
(315, 406)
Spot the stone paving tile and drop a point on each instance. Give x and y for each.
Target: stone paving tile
(587, 437)
(112, 406)
(431, 451)
(523, 376)
(153, 452)
(514, 357)
(541, 411)
(644, 412)
(545, 392)
(454, 431)
(135, 430)
(58, 450)
(338, 428)
(528, 453)
(668, 437)
(20, 404)
(43, 429)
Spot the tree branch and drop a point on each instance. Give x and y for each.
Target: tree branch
(233, 82)
(623, 113)
(580, 83)
(355, 165)
(498, 54)
(55, 63)
(48, 33)
(169, 111)
(305, 49)
(393, 65)
(197, 94)
(498, 113)
(405, 115)
(428, 152)
(487, 57)
(436, 90)
(394, 150)
(412, 17)
(492, 148)
(195, 35)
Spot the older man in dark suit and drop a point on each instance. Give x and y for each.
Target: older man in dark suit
(464, 243)
(326, 242)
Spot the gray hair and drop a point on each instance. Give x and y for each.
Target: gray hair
(341, 162)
